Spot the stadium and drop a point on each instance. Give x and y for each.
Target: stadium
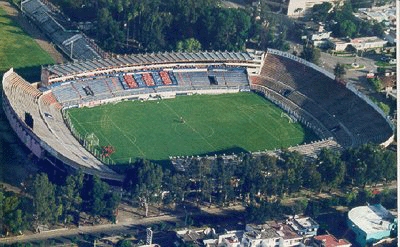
(338, 114)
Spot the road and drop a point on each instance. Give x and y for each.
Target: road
(128, 225)
(358, 77)
(86, 230)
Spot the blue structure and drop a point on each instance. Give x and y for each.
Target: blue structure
(371, 223)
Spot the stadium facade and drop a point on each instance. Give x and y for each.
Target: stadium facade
(305, 91)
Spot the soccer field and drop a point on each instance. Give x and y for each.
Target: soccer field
(189, 125)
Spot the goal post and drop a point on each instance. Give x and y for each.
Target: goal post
(290, 119)
(91, 140)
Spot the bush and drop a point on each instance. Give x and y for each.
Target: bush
(385, 108)
(376, 83)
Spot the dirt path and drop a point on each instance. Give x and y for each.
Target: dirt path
(29, 28)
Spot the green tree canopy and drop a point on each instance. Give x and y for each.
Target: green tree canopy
(44, 200)
(320, 11)
(311, 54)
(339, 71)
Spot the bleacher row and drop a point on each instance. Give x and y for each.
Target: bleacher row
(109, 86)
(348, 117)
(60, 70)
(49, 130)
(49, 23)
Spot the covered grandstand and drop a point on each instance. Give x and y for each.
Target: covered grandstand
(308, 94)
(72, 42)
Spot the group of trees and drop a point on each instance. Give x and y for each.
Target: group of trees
(14, 212)
(343, 23)
(55, 204)
(153, 25)
(253, 177)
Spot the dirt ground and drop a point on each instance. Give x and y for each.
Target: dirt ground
(34, 32)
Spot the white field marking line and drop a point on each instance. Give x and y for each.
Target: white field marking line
(127, 137)
(255, 122)
(268, 114)
(194, 130)
(84, 129)
(212, 132)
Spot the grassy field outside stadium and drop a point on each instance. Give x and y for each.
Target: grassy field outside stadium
(189, 125)
(18, 49)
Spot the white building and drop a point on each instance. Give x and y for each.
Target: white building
(260, 236)
(360, 44)
(367, 43)
(304, 226)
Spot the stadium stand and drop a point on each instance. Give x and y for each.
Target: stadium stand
(338, 114)
(347, 116)
(48, 137)
(251, 60)
(73, 43)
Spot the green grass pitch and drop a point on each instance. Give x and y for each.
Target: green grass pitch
(189, 125)
(18, 49)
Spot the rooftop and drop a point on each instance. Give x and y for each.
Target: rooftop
(284, 230)
(366, 39)
(372, 218)
(331, 241)
(260, 232)
(306, 222)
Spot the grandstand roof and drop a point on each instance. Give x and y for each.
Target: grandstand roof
(60, 70)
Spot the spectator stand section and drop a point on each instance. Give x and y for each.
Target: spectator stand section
(343, 112)
(76, 45)
(36, 117)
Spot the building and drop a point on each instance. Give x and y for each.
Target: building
(360, 44)
(195, 237)
(368, 43)
(288, 237)
(320, 39)
(304, 226)
(371, 223)
(329, 241)
(227, 239)
(260, 235)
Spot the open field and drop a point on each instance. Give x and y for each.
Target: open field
(18, 49)
(189, 125)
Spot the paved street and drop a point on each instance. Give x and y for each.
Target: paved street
(86, 230)
(126, 224)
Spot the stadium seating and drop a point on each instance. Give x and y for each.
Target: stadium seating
(330, 102)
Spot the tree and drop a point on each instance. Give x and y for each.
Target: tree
(71, 196)
(252, 179)
(144, 182)
(339, 71)
(347, 28)
(188, 45)
(312, 178)
(98, 189)
(320, 11)
(124, 243)
(44, 200)
(331, 168)
(311, 54)
(222, 174)
(293, 164)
